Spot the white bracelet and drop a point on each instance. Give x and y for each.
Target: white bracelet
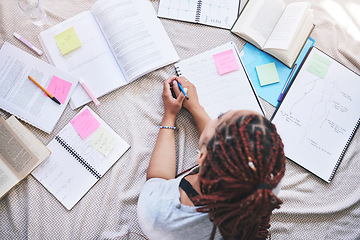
(167, 127)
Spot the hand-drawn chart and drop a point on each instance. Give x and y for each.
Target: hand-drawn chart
(319, 113)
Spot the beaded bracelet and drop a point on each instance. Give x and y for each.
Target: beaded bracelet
(167, 127)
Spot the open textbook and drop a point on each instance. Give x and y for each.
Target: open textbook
(20, 153)
(21, 97)
(276, 28)
(319, 114)
(121, 40)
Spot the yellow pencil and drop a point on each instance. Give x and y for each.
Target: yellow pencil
(49, 94)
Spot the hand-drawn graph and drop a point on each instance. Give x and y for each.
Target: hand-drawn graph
(220, 13)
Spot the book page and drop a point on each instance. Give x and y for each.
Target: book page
(135, 35)
(258, 19)
(319, 113)
(29, 139)
(287, 26)
(20, 96)
(15, 154)
(93, 61)
(219, 93)
(7, 178)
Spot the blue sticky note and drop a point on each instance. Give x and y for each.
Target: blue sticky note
(252, 57)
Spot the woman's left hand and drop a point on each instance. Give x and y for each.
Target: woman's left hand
(172, 105)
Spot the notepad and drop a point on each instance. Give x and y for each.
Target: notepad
(76, 163)
(59, 88)
(67, 41)
(267, 74)
(219, 93)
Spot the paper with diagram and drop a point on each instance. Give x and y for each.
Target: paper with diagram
(319, 114)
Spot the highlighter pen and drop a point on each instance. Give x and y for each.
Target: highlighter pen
(49, 94)
(181, 88)
(286, 84)
(27, 43)
(87, 90)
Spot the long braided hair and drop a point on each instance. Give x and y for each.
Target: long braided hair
(245, 161)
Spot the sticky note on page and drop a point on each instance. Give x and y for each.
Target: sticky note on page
(226, 62)
(319, 66)
(104, 141)
(85, 123)
(59, 88)
(267, 74)
(67, 41)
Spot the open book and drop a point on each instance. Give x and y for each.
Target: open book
(217, 13)
(20, 153)
(220, 92)
(121, 40)
(276, 28)
(78, 161)
(319, 114)
(21, 97)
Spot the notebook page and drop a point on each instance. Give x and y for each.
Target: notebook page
(217, 13)
(219, 93)
(319, 113)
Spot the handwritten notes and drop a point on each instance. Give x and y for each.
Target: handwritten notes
(103, 141)
(225, 62)
(319, 66)
(67, 41)
(85, 123)
(59, 88)
(267, 74)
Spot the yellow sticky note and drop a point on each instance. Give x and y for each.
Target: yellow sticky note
(104, 141)
(267, 74)
(67, 41)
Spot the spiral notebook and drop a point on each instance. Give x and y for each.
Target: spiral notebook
(216, 13)
(319, 114)
(220, 80)
(83, 151)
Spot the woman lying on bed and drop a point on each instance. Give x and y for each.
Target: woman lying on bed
(231, 194)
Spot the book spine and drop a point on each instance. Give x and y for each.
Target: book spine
(198, 11)
(344, 150)
(77, 156)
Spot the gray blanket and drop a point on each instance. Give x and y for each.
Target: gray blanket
(312, 209)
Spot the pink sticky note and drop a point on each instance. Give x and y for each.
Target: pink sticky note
(85, 123)
(59, 88)
(225, 62)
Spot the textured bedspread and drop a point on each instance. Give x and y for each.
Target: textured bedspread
(312, 209)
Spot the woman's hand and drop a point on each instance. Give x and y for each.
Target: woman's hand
(172, 104)
(192, 104)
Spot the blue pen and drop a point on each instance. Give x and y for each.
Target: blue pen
(286, 84)
(181, 88)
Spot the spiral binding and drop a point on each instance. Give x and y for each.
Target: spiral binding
(198, 11)
(344, 150)
(178, 71)
(81, 160)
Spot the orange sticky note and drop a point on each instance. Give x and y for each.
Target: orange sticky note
(85, 123)
(59, 88)
(226, 62)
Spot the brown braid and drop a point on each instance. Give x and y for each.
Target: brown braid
(245, 161)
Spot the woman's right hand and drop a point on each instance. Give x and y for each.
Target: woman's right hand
(191, 104)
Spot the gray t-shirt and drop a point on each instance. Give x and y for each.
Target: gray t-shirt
(162, 216)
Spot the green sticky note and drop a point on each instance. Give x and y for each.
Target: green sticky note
(267, 74)
(67, 41)
(319, 66)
